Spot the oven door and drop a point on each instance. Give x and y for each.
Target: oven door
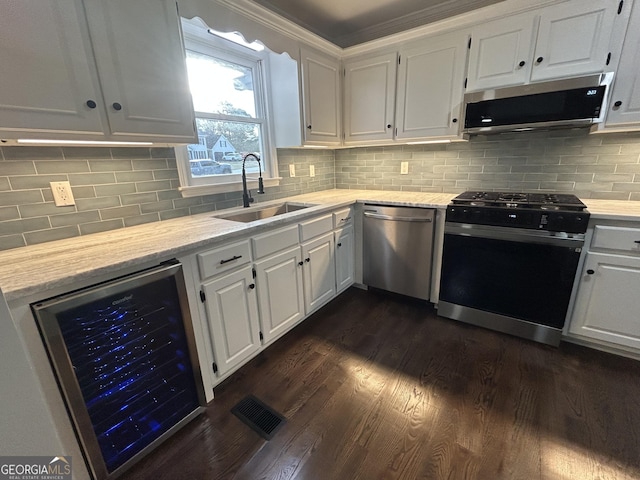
(518, 273)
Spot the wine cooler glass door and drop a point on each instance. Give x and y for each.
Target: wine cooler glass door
(124, 356)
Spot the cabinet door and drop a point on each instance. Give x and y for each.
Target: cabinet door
(501, 52)
(319, 272)
(321, 98)
(140, 56)
(232, 312)
(626, 88)
(573, 39)
(370, 88)
(345, 258)
(431, 86)
(280, 293)
(608, 303)
(48, 74)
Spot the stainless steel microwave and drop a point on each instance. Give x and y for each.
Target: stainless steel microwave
(566, 103)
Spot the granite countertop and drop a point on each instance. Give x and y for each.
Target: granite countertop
(32, 270)
(35, 269)
(613, 209)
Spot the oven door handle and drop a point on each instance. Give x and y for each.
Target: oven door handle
(513, 235)
(380, 216)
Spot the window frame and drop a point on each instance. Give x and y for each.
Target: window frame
(198, 39)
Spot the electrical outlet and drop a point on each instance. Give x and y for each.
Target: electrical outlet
(292, 170)
(312, 170)
(62, 194)
(404, 168)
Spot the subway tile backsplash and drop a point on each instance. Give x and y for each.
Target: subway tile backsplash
(118, 187)
(591, 166)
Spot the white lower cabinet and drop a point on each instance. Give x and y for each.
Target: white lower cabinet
(319, 272)
(232, 309)
(345, 257)
(608, 303)
(255, 290)
(280, 292)
(294, 279)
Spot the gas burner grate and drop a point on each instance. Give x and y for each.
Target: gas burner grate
(512, 197)
(520, 200)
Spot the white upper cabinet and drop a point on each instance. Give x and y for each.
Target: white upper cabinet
(501, 52)
(114, 73)
(141, 65)
(624, 107)
(321, 98)
(565, 40)
(370, 89)
(573, 39)
(47, 75)
(431, 87)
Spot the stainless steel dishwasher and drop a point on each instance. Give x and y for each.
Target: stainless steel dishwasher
(397, 249)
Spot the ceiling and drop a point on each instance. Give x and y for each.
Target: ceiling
(351, 22)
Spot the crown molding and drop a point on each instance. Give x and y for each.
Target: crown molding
(467, 19)
(281, 25)
(288, 30)
(412, 20)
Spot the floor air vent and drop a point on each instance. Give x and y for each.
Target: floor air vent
(261, 418)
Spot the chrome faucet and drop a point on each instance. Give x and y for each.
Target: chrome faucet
(246, 194)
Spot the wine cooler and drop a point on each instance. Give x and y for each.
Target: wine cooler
(124, 356)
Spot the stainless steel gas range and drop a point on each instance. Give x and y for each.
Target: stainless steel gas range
(510, 259)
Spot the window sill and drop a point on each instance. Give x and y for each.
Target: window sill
(198, 190)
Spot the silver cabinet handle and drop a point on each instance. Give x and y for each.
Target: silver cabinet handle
(397, 219)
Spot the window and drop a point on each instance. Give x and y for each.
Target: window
(228, 90)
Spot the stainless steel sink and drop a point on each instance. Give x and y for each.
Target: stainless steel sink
(260, 213)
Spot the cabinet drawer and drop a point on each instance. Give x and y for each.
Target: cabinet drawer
(272, 242)
(343, 217)
(316, 226)
(616, 238)
(223, 259)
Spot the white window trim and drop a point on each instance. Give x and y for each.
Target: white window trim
(196, 33)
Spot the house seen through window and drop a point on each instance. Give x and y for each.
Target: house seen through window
(226, 83)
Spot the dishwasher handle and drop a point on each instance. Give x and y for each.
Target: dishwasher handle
(395, 218)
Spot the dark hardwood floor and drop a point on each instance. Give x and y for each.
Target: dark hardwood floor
(377, 387)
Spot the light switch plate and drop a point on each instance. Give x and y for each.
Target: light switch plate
(292, 170)
(404, 168)
(312, 170)
(62, 194)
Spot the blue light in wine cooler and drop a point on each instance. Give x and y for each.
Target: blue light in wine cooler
(155, 426)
